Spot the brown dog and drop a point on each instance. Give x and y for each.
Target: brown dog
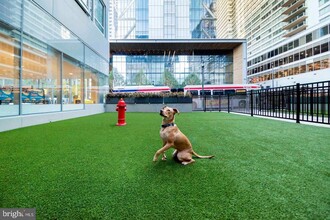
(173, 137)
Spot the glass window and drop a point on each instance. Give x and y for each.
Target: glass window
(302, 54)
(309, 52)
(285, 48)
(317, 50)
(279, 50)
(322, 2)
(296, 56)
(280, 62)
(302, 68)
(324, 63)
(324, 31)
(285, 73)
(9, 72)
(310, 67)
(302, 40)
(285, 60)
(11, 12)
(95, 87)
(309, 38)
(100, 15)
(46, 29)
(156, 70)
(72, 84)
(290, 71)
(316, 34)
(40, 77)
(317, 65)
(296, 70)
(324, 47)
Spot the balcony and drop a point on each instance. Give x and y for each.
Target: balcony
(292, 15)
(291, 8)
(289, 2)
(295, 31)
(294, 23)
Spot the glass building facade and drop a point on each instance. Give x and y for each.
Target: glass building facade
(166, 19)
(172, 70)
(287, 41)
(162, 19)
(44, 66)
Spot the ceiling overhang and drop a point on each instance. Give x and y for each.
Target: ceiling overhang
(184, 46)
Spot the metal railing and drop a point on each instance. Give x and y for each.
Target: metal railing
(301, 102)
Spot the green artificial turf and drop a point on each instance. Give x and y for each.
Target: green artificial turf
(88, 168)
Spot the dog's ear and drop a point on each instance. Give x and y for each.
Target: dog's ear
(176, 110)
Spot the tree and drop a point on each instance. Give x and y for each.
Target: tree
(169, 79)
(141, 78)
(115, 79)
(192, 79)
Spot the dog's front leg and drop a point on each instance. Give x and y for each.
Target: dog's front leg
(162, 151)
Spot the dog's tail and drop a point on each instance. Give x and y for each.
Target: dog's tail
(202, 157)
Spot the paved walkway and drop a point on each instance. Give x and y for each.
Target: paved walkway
(289, 120)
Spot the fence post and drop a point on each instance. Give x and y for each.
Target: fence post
(204, 102)
(251, 94)
(219, 103)
(228, 102)
(298, 103)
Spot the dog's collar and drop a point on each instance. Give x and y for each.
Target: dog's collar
(168, 125)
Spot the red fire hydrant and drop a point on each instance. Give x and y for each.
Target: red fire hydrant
(121, 109)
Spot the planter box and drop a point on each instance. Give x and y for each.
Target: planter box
(170, 100)
(112, 100)
(155, 100)
(142, 100)
(129, 100)
(184, 100)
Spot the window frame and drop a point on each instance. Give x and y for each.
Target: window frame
(100, 25)
(85, 5)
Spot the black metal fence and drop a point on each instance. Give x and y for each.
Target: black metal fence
(301, 102)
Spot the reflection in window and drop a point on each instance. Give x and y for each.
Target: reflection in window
(316, 49)
(40, 77)
(100, 15)
(309, 52)
(174, 72)
(94, 86)
(302, 54)
(309, 38)
(9, 72)
(324, 31)
(324, 47)
(72, 84)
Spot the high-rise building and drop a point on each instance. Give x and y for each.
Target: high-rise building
(287, 41)
(161, 19)
(140, 22)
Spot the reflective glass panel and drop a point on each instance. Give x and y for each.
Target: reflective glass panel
(40, 77)
(72, 84)
(9, 72)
